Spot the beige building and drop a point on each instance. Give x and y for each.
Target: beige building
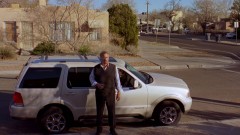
(70, 26)
(177, 19)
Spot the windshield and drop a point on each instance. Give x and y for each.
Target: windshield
(136, 73)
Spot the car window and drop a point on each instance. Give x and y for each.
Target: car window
(136, 73)
(126, 79)
(78, 77)
(41, 78)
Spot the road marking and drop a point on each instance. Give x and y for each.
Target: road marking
(231, 71)
(208, 50)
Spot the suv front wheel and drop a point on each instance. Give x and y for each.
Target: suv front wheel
(54, 120)
(168, 113)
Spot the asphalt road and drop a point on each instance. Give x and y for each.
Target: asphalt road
(184, 41)
(215, 95)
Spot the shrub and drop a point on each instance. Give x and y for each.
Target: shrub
(44, 48)
(133, 49)
(6, 53)
(84, 50)
(117, 40)
(123, 21)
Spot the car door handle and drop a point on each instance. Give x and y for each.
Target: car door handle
(71, 93)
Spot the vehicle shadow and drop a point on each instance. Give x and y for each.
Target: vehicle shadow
(123, 122)
(213, 128)
(12, 126)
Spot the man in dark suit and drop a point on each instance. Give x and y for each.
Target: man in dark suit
(105, 78)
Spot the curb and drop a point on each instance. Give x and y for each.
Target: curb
(213, 41)
(148, 68)
(10, 74)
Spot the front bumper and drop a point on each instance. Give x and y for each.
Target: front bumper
(187, 104)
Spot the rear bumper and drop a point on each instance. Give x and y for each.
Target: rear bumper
(17, 112)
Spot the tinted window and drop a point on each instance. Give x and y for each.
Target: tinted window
(79, 77)
(41, 78)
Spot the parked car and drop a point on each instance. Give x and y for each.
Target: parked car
(231, 35)
(56, 91)
(186, 30)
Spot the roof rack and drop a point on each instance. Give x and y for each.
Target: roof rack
(72, 58)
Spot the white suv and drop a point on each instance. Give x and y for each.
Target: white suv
(56, 91)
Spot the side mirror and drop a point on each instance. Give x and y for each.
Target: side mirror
(136, 84)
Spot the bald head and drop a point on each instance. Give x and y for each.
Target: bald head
(104, 57)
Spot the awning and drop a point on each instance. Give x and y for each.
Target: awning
(95, 23)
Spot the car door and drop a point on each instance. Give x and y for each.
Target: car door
(78, 93)
(133, 100)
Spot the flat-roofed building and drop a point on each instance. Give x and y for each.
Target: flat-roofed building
(71, 26)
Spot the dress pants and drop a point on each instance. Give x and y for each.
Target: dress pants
(110, 103)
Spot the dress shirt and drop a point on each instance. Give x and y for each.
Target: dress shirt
(94, 82)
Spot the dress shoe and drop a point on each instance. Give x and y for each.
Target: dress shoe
(113, 132)
(99, 131)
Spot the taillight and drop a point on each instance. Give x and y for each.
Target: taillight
(17, 99)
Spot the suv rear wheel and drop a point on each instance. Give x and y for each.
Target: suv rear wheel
(54, 120)
(168, 113)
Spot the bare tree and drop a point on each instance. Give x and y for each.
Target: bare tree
(171, 10)
(210, 11)
(235, 10)
(223, 7)
(158, 14)
(68, 23)
(188, 19)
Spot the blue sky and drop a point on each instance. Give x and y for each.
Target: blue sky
(140, 5)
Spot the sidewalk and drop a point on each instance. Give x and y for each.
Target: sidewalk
(164, 57)
(152, 56)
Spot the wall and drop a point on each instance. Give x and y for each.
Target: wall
(41, 16)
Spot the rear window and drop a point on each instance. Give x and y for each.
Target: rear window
(79, 77)
(41, 78)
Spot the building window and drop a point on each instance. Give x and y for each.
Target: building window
(11, 31)
(61, 31)
(95, 34)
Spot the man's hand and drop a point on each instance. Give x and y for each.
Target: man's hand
(118, 96)
(99, 86)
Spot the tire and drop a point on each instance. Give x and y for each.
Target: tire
(167, 113)
(54, 120)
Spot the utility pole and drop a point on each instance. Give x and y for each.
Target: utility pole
(147, 14)
(236, 26)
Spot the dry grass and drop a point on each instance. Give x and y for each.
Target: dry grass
(112, 49)
(136, 63)
(145, 63)
(6, 53)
